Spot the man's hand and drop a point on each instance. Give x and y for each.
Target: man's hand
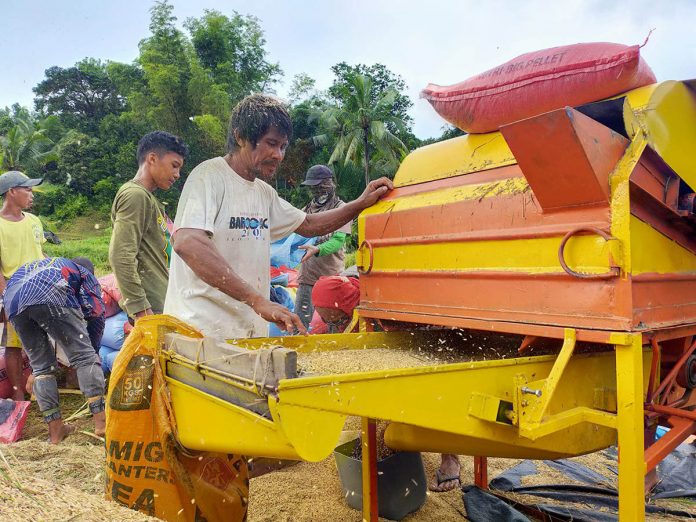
(281, 316)
(311, 252)
(374, 190)
(143, 313)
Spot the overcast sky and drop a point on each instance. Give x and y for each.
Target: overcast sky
(435, 41)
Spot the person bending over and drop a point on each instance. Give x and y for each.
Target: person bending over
(60, 298)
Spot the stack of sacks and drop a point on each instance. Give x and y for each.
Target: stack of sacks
(112, 340)
(284, 276)
(285, 258)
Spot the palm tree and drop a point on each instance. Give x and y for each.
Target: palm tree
(361, 124)
(25, 145)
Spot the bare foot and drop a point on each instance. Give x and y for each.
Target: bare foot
(99, 423)
(58, 430)
(447, 477)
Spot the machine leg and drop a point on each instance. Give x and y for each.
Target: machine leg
(481, 472)
(369, 470)
(629, 388)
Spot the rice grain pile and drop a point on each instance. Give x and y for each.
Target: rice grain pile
(348, 361)
(440, 347)
(43, 482)
(308, 492)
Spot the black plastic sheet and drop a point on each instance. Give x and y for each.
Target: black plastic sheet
(589, 495)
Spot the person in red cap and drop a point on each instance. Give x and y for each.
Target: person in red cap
(335, 298)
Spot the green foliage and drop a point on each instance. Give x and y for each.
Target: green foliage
(165, 58)
(211, 134)
(75, 153)
(74, 205)
(362, 121)
(129, 79)
(301, 88)
(80, 95)
(349, 259)
(48, 198)
(232, 50)
(382, 81)
(104, 193)
(26, 145)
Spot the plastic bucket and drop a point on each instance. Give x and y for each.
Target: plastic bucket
(401, 482)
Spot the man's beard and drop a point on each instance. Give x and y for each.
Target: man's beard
(259, 173)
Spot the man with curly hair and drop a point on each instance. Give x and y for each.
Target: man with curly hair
(227, 218)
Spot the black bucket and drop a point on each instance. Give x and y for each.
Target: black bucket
(401, 482)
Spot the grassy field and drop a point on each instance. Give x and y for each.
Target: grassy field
(86, 236)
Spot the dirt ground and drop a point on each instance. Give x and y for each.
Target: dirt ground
(41, 482)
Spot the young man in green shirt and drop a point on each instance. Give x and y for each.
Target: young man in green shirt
(140, 247)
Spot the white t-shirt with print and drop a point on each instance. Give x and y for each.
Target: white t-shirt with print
(243, 218)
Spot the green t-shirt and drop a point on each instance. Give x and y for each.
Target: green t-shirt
(140, 248)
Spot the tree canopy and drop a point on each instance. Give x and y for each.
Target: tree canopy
(361, 124)
(81, 96)
(186, 78)
(26, 144)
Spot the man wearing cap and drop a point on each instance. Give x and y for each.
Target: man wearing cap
(325, 257)
(21, 237)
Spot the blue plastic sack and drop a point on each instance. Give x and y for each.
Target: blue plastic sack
(281, 279)
(286, 252)
(107, 356)
(281, 296)
(274, 331)
(113, 331)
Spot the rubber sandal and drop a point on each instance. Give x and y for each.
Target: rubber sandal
(440, 479)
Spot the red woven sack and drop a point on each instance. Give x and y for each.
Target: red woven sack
(539, 82)
(111, 295)
(13, 415)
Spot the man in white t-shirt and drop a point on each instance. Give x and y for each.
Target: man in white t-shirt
(219, 279)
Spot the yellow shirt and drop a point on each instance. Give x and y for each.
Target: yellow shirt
(20, 242)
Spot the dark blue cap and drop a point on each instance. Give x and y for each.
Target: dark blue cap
(316, 174)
